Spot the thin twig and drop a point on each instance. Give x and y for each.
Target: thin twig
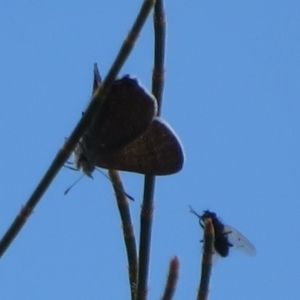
(128, 231)
(171, 280)
(145, 237)
(207, 257)
(149, 181)
(158, 74)
(66, 150)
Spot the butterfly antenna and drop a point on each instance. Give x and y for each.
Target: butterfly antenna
(69, 188)
(69, 167)
(120, 190)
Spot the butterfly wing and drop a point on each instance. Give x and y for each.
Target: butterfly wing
(127, 112)
(157, 151)
(126, 136)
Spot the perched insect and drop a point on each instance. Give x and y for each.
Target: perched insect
(226, 236)
(127, 135)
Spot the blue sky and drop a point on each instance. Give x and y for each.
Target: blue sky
(231, 94)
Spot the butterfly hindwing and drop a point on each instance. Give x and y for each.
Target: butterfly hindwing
(157, 151)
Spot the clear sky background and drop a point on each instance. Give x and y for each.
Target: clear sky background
(232, 94)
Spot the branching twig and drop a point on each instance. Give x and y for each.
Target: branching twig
(93, 109)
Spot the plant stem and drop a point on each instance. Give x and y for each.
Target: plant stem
(149, 181)
(128, 232)
(69, 145)
(208, 251)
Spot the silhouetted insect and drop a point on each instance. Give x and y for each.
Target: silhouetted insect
(226, 236)
(127, 135)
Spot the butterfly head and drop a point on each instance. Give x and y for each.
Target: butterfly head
(82, 161)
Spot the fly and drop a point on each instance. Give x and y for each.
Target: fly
(226, 236)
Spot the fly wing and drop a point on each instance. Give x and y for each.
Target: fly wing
(238, 241)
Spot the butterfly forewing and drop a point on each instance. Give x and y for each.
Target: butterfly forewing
(126, 114)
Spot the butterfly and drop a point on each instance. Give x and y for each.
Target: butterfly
(127, 135)
(226, 236)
